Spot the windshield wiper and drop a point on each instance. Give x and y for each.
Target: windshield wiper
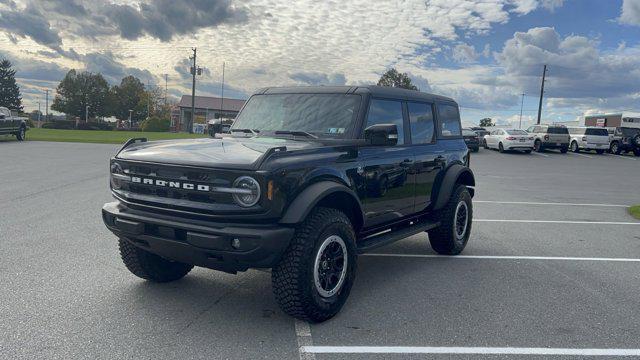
(246, 131)
(295, 133)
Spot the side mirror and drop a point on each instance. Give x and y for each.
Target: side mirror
(382, 134)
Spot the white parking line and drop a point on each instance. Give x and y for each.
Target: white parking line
(558, 222)
(537, 153)
(621, 157)
(303, 335)
(468, 350)
(505, 257)
(583, 155)
(544, 203)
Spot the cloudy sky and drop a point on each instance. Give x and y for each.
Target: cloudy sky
(484, 53)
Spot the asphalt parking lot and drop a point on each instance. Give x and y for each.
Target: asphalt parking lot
(552, 268)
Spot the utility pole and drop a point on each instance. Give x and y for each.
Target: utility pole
(46, 106)
(148, 99)
(544, 74)
(193, 92)
(39, 114)
(166, 79)
(86, 114)
(222, 95)
(521, 105)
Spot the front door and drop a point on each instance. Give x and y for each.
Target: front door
(5, 121)
(388, 170)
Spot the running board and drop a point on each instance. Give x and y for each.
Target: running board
(390, 236)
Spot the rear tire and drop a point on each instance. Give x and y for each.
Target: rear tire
(600, 152)
(484, 144)
(636, 152)
(527, 151)
(306, 284)
(451, 237)
(564, 149)
(152, 267)
(500, 148)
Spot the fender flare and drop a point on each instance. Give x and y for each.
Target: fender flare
(454, 173)
(302, 205)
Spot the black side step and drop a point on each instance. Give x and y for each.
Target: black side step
(388, 237)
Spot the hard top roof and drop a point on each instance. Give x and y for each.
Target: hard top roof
(374, 90)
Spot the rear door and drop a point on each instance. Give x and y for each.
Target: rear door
(558, 135)
(597, 136)
(389, 179)
(429, 157)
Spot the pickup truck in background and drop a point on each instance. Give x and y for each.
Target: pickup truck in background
(12, 125)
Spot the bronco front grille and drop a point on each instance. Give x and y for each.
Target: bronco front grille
(192, 197)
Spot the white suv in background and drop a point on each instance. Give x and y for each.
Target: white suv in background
(589, 138)
(509, 139)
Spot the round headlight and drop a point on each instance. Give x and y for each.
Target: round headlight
(250, 193)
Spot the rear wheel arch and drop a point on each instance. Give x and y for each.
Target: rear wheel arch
(456, 175)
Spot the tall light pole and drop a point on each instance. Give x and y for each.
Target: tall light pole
(86, 114)
(39, 113)
(222, 95)
(521, 105)
(130, 123)
(46, 106)
(194, 70)
(544, 74)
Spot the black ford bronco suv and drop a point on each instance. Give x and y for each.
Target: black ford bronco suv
(307, 179)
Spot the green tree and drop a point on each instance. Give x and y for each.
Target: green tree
(156, 124)
(79, 90)
(9, 90)
(486, 122)
(393, 78)
(127, 96)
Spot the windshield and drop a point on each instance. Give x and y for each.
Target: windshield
(516, 132)
(466, 132)
(322, 115)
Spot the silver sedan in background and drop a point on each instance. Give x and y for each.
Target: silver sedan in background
(509, 139)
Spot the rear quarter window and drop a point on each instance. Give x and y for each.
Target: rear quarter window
(449, 120)
(558, 130)
(599, 132)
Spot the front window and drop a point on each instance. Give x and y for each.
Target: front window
(386, 112)
(322, 115)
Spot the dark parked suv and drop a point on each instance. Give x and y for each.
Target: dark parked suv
(307, 179)
(625, 139)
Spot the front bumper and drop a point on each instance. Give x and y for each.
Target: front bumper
(197, 242)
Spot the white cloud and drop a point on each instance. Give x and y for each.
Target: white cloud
(464, 53)
(630, 12)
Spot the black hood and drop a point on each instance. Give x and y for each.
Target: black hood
(227, 152)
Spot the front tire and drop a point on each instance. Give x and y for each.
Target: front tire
(313, 279)
(152, 267)
(564, 149)
(500, 148)
(451, 237)
(574, 147)
(615, 148)
(537, 146)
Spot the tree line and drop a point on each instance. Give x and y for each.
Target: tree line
(85, 93)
